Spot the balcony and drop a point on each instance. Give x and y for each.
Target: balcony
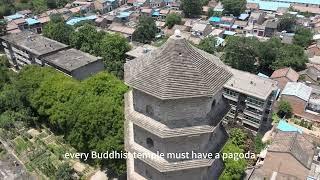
(252, 114)
(255, 106)
(230, 97)
(251, 123)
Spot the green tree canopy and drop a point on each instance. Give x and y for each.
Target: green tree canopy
(287, 23)
(146, 30)
(284, 109)
(3, 27)
(88, 113)
(191, 8)
(234, 7)
(268, 52)
(113, 48)
(172, 19)
(211, 13)
(64, 172)
(241, 53)
(87, 39)
(58, 30)
(234, 169)
(208, 44)
(303, 37)
(291, 56)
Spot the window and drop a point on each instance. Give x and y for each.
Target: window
(149, 110)
(231, 93)
(149, 142)
(255, 101)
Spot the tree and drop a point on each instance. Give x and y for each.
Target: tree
(268, 52)
(212, 12)
(238, 137)
(87, 39)
(290, 56)
(64, 172)
(208, 44)
(258, 144)
(58, 30)
(89, 113)
(285, 109)
(191, 8)
(172, 19)
(234, 7)
(146, 30)
(241, 53)
(287, 23)
(113, 48)
(3, 27)
(51, 4)
(303, 37)
(234, 169)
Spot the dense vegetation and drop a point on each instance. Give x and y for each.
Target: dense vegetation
(191, 8)
(208, 44)
(172, 19)
(240, 141)
(303, 37)
(284, 109)
(8, 7)
(111, 47)
(89, 114)
(249, 54)
(146, 30)
(234, 7)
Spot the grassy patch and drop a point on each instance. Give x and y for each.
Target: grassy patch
(20, 145)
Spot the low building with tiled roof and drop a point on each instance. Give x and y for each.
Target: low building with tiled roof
(290, 156)
(311, 74)
(284, 75)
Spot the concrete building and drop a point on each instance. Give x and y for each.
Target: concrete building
(175, 106)
(74, 63)
(30, 48)
(251, 98)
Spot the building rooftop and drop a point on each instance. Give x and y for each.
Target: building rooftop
(297, 89)
(70, 59)
(75, 20)
(35, 43)
(251, 84)
(296, 144)
(269, 5)
(177, 70)
(140, 50)
(287, 72)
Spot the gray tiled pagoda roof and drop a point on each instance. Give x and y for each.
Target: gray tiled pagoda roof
(177, 70)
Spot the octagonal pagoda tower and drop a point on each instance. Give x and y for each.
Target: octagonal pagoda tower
(175, 106)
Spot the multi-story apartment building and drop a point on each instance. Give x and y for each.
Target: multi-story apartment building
(251, 98)
(27, 48)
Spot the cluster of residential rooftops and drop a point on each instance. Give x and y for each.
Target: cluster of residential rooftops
(30, 48)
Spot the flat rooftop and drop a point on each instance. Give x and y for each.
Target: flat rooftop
(70, 59)
(250, 84)
(35, 43)
(141, 50)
